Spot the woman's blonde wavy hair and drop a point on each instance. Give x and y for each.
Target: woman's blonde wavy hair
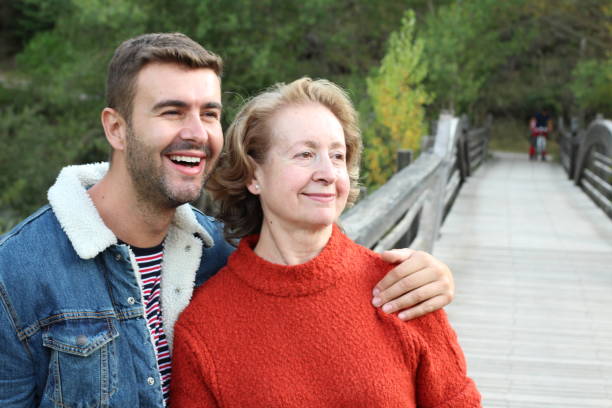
(248, 139)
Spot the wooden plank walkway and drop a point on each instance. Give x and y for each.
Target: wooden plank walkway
(532, 260)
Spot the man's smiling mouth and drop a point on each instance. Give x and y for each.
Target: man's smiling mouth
(189, 161)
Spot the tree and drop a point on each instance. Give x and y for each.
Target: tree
(505, 57)
(62, 66)
(592, 85)
(398, 97)
(466, 43)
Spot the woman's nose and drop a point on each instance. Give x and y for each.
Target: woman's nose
(325, 170)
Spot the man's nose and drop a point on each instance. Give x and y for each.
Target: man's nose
(194, 129)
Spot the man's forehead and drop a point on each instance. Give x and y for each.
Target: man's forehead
(169, 81)
(176, 68)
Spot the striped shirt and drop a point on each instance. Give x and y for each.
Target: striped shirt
(149, 262)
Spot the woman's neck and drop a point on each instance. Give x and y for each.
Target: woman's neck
(291, 246)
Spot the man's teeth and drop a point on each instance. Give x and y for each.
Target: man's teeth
(185, 159)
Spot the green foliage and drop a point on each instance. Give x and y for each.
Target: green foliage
(398, 97)
(505, 57)
(67, 65)
(510, 135)
(22, 19)
(62, 66)
(32, 140)
(592, 85)
(466, 43)
(558, 35)
(50, 118)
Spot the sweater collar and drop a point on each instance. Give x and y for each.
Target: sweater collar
(311, 277)
(81, 221)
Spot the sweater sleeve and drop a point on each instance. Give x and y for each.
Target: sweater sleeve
(192, 384)
(441, 379)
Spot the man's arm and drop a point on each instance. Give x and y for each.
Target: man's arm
(419, 285)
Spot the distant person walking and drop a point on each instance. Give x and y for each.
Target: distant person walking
(540, 126)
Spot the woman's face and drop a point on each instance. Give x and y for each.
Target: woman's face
(303, 182)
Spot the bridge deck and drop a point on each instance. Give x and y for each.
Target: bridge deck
(532, 259)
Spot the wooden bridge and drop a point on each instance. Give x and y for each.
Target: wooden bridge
(531, 253)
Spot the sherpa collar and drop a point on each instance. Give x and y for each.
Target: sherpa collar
(81, 221)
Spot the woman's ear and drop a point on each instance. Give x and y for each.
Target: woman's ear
(253, 185)
(115, 128)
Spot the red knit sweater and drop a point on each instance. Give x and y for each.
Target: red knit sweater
(264, 335)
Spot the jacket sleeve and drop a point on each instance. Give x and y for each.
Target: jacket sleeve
(441, 379)
(192, 379)
(216, 256)
(17, 380)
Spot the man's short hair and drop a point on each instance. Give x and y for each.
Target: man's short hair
(133, 54)
(248, 140)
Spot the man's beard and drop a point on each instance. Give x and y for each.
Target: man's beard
(151, 184)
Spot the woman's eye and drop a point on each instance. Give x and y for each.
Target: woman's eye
(338, 156)
(305, 155)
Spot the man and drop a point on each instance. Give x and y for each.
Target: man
(83, 280)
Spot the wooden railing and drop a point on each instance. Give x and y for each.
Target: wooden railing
(410, 208)
(586, 156)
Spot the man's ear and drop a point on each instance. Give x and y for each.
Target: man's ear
(115, 128)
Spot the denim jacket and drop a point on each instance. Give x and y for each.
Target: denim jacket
(72, 326)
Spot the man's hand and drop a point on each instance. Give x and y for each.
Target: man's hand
(417, 286)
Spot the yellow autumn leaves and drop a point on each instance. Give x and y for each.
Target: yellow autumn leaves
(398, 97)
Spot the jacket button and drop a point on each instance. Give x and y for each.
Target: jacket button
(188, 248)
(118, 257)
(131, 300)
(81, 340)
(177, 290)
(150, 381)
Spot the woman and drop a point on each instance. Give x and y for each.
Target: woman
(266, 331)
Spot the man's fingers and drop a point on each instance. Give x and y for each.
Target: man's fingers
(424, 308)
(416, 260)
(397, 255)
(415, 287)
(404, 288)
(423, 288)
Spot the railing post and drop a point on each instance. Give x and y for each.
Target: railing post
(431, 218)
(578, 134)
(463, 155)
(404, 158)
(487, 139)
(573, 145)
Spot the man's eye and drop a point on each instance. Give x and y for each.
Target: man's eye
(171, 113)
(211, 114)
(338, 156)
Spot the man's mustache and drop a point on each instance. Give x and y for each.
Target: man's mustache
(183, 145)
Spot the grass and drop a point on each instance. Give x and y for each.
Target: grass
(511, 135)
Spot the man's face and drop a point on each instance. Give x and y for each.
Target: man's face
(175, 136)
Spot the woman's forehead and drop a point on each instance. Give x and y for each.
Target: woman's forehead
(312, 123)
